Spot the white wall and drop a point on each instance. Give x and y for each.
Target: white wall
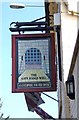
(73, 103)
(69, 30)
(77, 94)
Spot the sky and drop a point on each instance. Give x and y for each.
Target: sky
(14, 104)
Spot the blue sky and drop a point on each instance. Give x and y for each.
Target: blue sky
(14, 103)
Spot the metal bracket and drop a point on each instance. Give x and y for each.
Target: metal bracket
(30, 26)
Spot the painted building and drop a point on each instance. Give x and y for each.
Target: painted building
(74, 70)
(69, 44)
(69, 31)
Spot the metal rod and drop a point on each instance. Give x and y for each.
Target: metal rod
(59, 52)
(19, 24)
(51, 97)
(39, 19)
(31, 29)
(34, 6)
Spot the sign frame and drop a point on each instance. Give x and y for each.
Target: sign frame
(52, 63)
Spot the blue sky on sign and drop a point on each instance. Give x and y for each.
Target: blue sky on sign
(14, 103)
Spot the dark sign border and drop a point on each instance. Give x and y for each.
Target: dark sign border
(52, 63)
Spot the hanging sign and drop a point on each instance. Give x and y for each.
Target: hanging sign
(33, 62)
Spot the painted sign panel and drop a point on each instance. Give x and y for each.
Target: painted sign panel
(33, 63)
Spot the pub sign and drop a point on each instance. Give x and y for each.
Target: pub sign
(33, 62)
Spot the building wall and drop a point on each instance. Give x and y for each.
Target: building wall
(77, 94)
(69, 35)
(74, 104)
(69, 30)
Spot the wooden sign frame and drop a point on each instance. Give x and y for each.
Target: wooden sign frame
(33, 62)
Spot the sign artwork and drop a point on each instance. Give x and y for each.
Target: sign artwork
(33, 63)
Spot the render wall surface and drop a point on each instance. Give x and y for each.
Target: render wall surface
(69, 30)
(73, 103)
(78, 86)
